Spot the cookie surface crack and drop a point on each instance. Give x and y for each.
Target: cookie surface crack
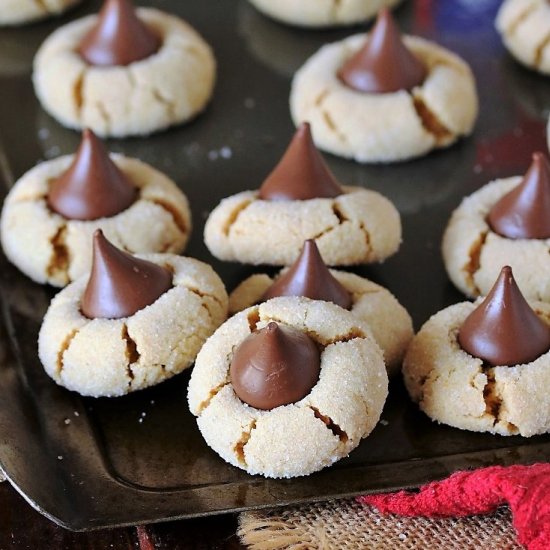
(474, 263)
(329, 121)
(430, 121)
(331, 425)
(540, 50)
(168, 105)
(41, 5)
(78, 94)
(64, 347)
(253, 319)
(493, 402)
(104, 114)
(234, 215)
(59, 261)
(241, 444)
(172, 211)
(211, 394)
(132, 353)
(520, 19)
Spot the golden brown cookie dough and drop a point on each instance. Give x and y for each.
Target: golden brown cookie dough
(387, 127)
(167, 88)
(50, 248)
(389, 322)
(306, 436)
(525, 27)
(360, 226)
(474, 254)
(455, 388)
(322, 13)
(19, 12)
(111, 357)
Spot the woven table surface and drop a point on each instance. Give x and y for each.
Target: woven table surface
(348, 525)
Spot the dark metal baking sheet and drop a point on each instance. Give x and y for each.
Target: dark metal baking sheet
(91, 463)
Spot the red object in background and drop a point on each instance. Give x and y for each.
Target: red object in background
(526, 489)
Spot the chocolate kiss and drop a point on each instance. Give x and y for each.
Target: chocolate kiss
(310, 277)
(275, 366)
(301, 174)
(119, 37)
(93, 187)
(384, 64)
(119, 284)
(524, 212)
(503, 329)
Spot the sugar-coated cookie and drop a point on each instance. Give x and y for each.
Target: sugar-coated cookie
(359, 110)
(90, 342)
(52, 248)
(473, 249)
(457, 388)
(115, 96)
(301, 437)
(322, 13)
(19, 12)
(301, 200)
(525, 26)
(389, 321)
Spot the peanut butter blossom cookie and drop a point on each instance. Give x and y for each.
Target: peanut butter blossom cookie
(19, 12)
(506, 222)
(322, 13)
(301, 200)
(288, 387)
(50, 214)
(485, 367)
(525, 26)
(383, 97)
(388, 320)
(125, 72)
(133, 323)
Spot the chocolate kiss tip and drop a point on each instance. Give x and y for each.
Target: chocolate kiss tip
(92, 187)
(503, 330)
(310, 277)
(301, 174)
(120, 284)
(275, 366)
(119, 37)
(524, 212)
(384, 64)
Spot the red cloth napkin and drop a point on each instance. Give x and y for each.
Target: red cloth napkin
(526, 489)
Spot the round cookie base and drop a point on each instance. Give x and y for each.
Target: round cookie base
(52, 249)
(359, 226)
(524, 26)
(156, 343)
(304, 437)
(170, 87)
(473, 254)
(383, 128)
(456, 389)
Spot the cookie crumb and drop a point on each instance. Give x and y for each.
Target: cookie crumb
(67, 421)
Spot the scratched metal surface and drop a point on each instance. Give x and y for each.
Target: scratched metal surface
(93, 463)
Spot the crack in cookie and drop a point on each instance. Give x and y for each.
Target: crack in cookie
(474, 263)
(58, 267)
(429, 120)
(64, 347)
(330, 424)
(241, 444)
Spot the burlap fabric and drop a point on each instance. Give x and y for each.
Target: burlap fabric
(347, 525)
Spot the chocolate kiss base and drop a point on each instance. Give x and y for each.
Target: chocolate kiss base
(301, 174)
(503, 330)
(275, 366)
(120, 284)
(384, 64)
(524, 212)
(119, 37)
(310, 277)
